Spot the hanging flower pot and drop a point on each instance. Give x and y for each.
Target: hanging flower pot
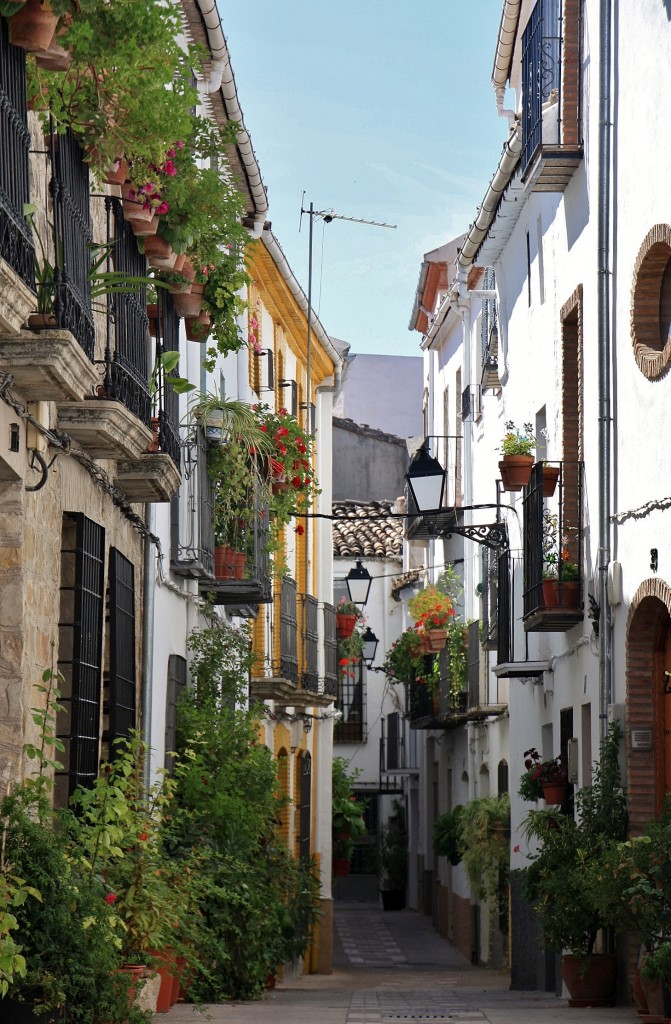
(554, 792)
(345, 625)
(550, 478)
(33, 26)
(54, 58)
(154, 317)
(198, 327)
(159, 252)
(189, 272)
(133, 208)
(425, 644)
(515, 471)
(116, 173)
(438, 638)
(144, 228)
(189, 304)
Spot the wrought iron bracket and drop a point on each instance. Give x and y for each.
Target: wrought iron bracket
(492, 535)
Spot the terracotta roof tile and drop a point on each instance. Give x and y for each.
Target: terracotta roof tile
(363, 530)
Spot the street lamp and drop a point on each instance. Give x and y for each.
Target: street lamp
(369, 649)
(358, 582)
(426, 480)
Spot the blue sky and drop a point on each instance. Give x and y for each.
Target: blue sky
(378, 109)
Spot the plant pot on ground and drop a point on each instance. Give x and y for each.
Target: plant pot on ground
(591, 981)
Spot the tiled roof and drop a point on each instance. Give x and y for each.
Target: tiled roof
(363, 530)
(364, 430)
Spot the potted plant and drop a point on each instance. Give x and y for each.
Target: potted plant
(517, 459)
(432, 611)
(546, 779)
(393, 855)
(347, 615)
(347, 816)
(561, 575)
(404, 658)
(484, 827)
(562, 880)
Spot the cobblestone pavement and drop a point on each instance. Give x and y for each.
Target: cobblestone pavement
(392, 967)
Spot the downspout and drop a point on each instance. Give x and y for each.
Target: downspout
(148, 585)
(463, 305)
(604, 344)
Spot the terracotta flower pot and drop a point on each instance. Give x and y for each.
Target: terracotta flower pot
(550, 478)
(133, 209)
(33, 27)
(239, 563)
(144, 228)
(197, 327)
(592, 983)
(554, 792)
(561, 595)
(515, 471)
(159, 253)
(345, 625)
(116, 173)
(438, 638)
(224, 566)
(154, 318)
(54, 58)
(189, 272)
(188, 304)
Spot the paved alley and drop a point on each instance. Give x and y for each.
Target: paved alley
(393, 967)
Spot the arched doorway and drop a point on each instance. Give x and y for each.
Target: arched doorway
(648, 709)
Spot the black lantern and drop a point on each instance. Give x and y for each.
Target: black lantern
(358, 582)
(369, 649)
(426, 480)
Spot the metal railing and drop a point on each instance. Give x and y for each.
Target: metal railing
(70, 194)
(126, 339)
(288, 630)
(330, 651)
(541, 75)
(16, 243)
(310, 674)
(192, 529)
(553, 540)
(166, 401)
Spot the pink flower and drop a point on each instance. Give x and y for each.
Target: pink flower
(162, 208)
(171, 152)
(253, 323)
(257, 346)
(169, 169)
(516, 849)
(180, 145)
(110, 898)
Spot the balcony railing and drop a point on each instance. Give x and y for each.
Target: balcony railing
(310, 674)
(330, 651)
(16, 243)
(551, 144)
(192, 531)
(241, 574)
(70, 193)
(351, 702)
(166, 400)
(553, 587)
(125, 364)
(288, 665)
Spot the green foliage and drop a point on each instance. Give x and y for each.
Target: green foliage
(447, 835)
(484, 826)
(347, 813)
(539, 773)
(457, 643)
(222, 301)
(404, 660)
(566, 877)
(517, 443)
(221, 659)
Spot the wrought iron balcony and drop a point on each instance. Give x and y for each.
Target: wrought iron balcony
(192, 531)
(551, 114)
(276, 677)
(553, 551)
(241, 573)
(330, 651)
(310, 673)
(16, 243)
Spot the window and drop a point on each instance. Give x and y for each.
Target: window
(80, 631)
(351, 728)
(651, 303)
(120, 676)
(16, 246)
(175, 686)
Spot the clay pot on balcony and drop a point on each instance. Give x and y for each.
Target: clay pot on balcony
(159, 253)
(132, 208)
(345, 625)
(189, 304)
(116, 173)
(224, 564)
(154, 317)
(438, 638)
(198, 327)
(42, 322)
(33, 27)
(515, 471)
(564, 595)
(144, 228)
(550, 478)
(154, 444)
(54, 58)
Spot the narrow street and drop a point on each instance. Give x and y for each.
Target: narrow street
(394, 967)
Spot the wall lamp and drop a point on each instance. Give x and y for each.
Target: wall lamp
(358, 582)
(369, 649)
(426, 480)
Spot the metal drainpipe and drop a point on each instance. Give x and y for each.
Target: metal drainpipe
(148, 642)
(605, 625)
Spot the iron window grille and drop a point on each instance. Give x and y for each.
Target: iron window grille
(351, 701)
(16, 243)
(80, 630)
(121, 678)
(127, 324)
(166, 399)
(392, 743)
(288, 630)
(504, 619)
(70, 194)
(305, 807)
(310, 677)
(175, 687)
(489, 597)
(330, 651)
(541, 75)
(192, 528)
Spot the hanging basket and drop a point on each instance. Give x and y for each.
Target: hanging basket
(550, 478)
(345, 625)
(554, 792)
(33, 27)
(438, 638)
(189, 304)
(198, 327)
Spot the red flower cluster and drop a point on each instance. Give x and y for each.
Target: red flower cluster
(149, 194)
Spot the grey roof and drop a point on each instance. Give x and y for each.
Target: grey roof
(364, 530)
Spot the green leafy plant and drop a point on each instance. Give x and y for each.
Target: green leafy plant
(485, 843)
(447, 835)
(516, 442)
(163, 374)
(557, 562)
(538, 773)
(347, 813)
(404, 659)
(222, 300)
(562, 878)
(393, 851)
